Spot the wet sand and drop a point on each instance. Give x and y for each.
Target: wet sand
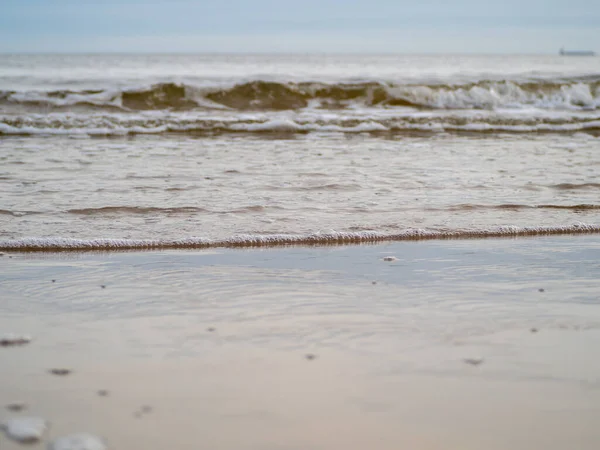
(466, 344)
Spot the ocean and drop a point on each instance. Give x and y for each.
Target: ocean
(103, 151)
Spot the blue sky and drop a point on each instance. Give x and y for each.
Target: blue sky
(428, 26)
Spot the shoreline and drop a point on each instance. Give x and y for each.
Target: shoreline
(284, 240)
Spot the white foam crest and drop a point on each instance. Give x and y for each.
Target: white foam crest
(318, 238)
(270, 125)
(499, 95)
(363, 127)
(104, 98)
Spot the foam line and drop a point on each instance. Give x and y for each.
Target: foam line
(331, 238)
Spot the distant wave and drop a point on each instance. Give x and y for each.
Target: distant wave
(108, 210)
(560, 106)
(67, 244)
(515, 206)
(193, 210)
(260, 95)
(152, 210)
(105, 125)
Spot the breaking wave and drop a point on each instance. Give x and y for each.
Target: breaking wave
(574, 94)
(560, 106)
(332, 238)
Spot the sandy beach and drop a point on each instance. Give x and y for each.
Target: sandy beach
(458, 344)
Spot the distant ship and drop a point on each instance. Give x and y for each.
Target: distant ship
(564, 52)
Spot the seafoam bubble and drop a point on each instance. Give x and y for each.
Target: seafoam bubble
(26, 430)
(79, 441)
(11, 339)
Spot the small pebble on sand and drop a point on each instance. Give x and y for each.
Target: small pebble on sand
(61, 372)
(534, 330)
(103, 286)
(373, 282)
(473, 361)
(103, 393)
(541, 290)
(16, 406)
(79, 441)
(390, 258)
(10, 339)
(310, 356)
(26, 430)
(211, 329)
(54, 281)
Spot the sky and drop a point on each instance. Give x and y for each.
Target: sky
(355, 26)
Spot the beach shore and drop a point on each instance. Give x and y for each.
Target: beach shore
(456, 344)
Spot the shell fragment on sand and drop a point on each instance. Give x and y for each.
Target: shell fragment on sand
(26, 430)
(11, 339)
(79, 441)
(60, 372)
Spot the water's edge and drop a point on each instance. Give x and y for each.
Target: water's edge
(320, 239)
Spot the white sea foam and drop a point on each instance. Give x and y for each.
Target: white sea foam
(271, 125)
(500, 95)
(363, 127)
(333, 237)
(104, 98)
(284, 125)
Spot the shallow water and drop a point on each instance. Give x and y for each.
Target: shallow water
(168, 188)
(132, 151)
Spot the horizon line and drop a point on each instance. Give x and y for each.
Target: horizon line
(323, 53)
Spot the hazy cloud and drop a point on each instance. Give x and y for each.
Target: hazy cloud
(311, 25)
